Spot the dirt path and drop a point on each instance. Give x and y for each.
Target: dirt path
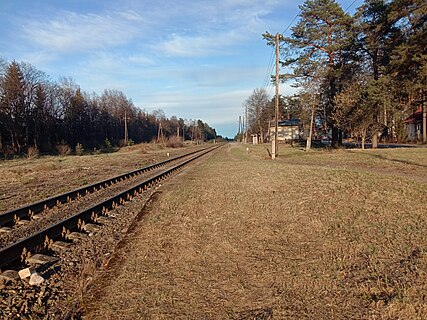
(241, 237)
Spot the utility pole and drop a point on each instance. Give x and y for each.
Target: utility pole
(274, 145)
(239, 131)
(160, 133)
(310, 134)
(424, 111)
(126, 129)
(246, 125)
(243, 129)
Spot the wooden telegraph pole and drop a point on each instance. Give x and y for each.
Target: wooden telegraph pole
(160, 133)
(274, 142)
(126, 129)
(310, 134)
(239, 131)
(243, 129)
(246, 125)
(424, 111)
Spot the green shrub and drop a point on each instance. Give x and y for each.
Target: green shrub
(107, 144)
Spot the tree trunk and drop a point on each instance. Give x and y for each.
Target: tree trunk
(310, 134)
(375, 140)
(335, 138)
(363, 140)
(12, 141)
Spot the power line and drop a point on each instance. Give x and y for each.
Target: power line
(354, 1)
(267, 79)
(267, 76)
(290, 24)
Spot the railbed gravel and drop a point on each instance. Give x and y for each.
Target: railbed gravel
(60, 295)
(57, 213)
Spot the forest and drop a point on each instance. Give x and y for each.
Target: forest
(363, 75)
(41, 116)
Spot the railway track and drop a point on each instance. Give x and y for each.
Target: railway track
(14, 216)
(63, 224)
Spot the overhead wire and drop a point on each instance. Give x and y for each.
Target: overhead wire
(290, 24)
(351, 4)
(267, 84)
(296, 16)
(267, 77)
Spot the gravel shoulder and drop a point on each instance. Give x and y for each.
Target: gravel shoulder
(317, 235)
(65, 281)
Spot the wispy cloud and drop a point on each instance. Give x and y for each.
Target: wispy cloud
(197, 46)
(215, 32)
(194, 59)
(73, 32)
(212, 108)
(131, 15)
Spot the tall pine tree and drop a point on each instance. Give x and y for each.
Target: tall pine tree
(13, 107)
(319, 42)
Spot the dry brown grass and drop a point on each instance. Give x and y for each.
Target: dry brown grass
(28, 180)
(63, 149)
(316, 235)
(174, 142)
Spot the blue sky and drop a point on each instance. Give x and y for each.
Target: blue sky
(193, 59)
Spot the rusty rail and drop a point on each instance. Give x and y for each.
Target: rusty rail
(14, 251)
(25, 211)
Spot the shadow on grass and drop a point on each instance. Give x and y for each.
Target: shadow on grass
(315, 144)
(381, 157)
(18, 156)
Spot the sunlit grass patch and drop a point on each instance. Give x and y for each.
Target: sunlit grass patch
(319, 235)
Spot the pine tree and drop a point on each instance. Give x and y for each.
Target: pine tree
(39, 116)
(409, 55)
(13, 107)
(375, 32)
(318, 43)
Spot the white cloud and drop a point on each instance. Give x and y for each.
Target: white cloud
(131, 15)
(221, 107)
(219, 27)
(181, 28)
(72, 32)
(196, 46)
(130, 46)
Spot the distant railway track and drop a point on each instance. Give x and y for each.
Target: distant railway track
(13, 216)
(90, 214)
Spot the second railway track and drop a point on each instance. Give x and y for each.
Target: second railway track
(57, 216)
(26, 212)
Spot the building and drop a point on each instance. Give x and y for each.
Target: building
(414, 125)
(288, 130)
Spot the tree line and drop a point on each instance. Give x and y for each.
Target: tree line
(39, 114)
(362, 74)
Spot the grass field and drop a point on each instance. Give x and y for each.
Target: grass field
(27, 180)
(310, 235)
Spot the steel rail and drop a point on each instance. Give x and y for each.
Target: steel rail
(25, 211)
(14, 251)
